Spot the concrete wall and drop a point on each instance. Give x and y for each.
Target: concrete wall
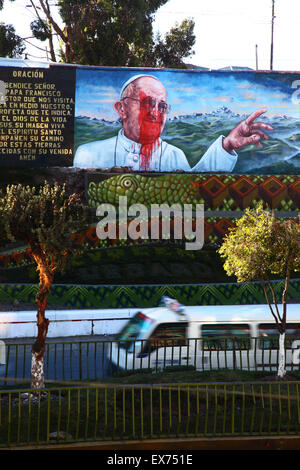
(65, 323)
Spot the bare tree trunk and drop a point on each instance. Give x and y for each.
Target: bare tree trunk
(52, 53)
(280, 321)
(281, 362)
(281, 365)
(50, 40)
(37, 371)
(64, 36)
(38, 348)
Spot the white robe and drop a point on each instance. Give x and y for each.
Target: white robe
(123, 152)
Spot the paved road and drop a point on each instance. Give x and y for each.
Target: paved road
(76, 358)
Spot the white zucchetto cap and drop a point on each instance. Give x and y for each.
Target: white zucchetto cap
(132, 79)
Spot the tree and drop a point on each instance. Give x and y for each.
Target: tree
(175, 46)
(42, 29)
(114, 33)
(45, 219)
(257, 248)
(11, 45)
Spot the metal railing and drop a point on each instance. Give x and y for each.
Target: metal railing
(92, 360)
(114, 412)
(68, 360)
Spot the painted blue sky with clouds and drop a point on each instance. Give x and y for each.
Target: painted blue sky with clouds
(192, 92)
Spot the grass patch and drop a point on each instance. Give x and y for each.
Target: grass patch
(169, 375)
(138, 411)
(190, 375)
(175, 402)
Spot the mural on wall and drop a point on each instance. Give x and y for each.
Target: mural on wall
(146, 120)
(37, 116)
(228, 140)
(163, 120)
(218, 192)
(116, 296)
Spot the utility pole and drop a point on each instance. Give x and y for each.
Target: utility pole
(272, 34)
(256, 56)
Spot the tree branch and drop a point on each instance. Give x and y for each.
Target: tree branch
(36, 11)
(57, 29)
(269, 303)
(274, 299)
(51, 46)
(284, 295)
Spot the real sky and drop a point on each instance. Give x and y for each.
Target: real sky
(227, 31)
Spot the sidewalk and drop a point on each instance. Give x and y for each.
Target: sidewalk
(61, 339)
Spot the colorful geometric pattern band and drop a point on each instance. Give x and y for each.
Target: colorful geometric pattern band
(92, 296)
(216, 191)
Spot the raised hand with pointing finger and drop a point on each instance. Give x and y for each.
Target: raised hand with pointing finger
(247, 132)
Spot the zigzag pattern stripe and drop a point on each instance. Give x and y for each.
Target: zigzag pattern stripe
(93, 296)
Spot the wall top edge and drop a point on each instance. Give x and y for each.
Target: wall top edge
(46, 64)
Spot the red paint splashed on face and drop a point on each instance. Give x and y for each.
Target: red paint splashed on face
(150, 123)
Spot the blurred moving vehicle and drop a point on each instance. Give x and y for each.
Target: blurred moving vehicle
(205, 337)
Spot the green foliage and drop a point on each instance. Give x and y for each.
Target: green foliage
(45, 218)
(115, 33)
(40, 29)
(11, 45)
(248, 247)
(261, 245)
(176, 45)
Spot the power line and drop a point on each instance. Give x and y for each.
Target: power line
(33, 37)
(33, 45)
(220, 14)
(34, 56)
